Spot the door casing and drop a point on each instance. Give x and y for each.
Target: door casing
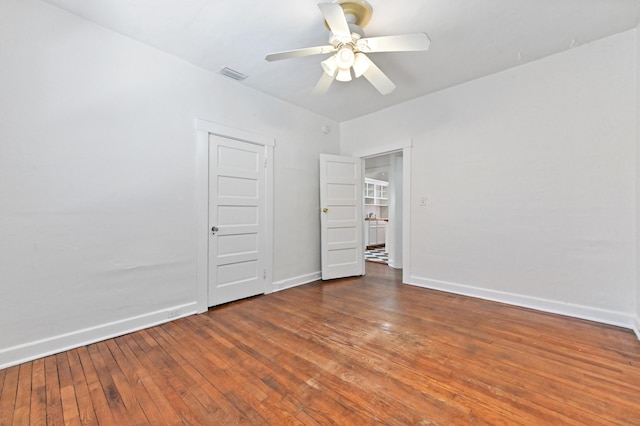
(203, 130)
(405, 147)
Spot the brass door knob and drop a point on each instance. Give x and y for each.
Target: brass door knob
(324, 210)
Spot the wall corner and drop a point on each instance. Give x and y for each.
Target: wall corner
(636, 326)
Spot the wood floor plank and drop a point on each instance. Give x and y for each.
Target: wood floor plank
(268, 376)
(403, 387)
(54, 402)
(349, 346)
(129, 369)
(196, 364)
(107, 384)
(23, 395)
(218, 403)
(272, 406)
(178, 377)
(319, 404)
(158, 379)
(38, 406)
(67, 391)
(241, 387)
(170, 375)
(8, 396)
(146, 379)
(550, 364)
(479, 366)
(328, 372)
(86, 411)
(3, 373)
(361, 350)
(126, 395)
(100, 404)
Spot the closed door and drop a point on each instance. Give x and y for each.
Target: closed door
(236, 220)
(341, 218)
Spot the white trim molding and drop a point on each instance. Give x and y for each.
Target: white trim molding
(568, 309)
(636, 327)
(375, 151)
(205, 128)
(233, 133)
(406, 213)
(52, 345)
(403, 146)
(296, 281)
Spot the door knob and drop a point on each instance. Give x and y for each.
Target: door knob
(214, 229)
(324, 210)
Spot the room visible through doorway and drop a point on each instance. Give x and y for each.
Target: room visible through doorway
(381, 189)
(378, 255)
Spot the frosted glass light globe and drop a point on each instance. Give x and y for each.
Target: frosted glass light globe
(345, 58)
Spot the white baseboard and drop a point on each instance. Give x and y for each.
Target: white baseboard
(577, 311)
(636, 327)
(393, 265)
(296, 281)
(33, 350)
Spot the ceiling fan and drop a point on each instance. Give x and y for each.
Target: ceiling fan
(346, 19)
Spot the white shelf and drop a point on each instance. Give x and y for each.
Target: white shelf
(375, 192)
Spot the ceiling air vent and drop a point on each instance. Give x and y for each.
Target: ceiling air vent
(236, 75)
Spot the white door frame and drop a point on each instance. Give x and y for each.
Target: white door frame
(203, 130)
(405, 147)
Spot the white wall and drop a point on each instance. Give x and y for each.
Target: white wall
(529, 176)
(97, 179)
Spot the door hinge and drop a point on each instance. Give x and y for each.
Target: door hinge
(264, 274)
(265, 162)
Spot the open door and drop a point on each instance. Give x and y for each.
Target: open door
(341, 218)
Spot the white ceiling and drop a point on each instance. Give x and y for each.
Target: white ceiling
(469, 39)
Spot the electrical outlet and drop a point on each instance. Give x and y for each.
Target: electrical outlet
(173, 313)
(423, 201)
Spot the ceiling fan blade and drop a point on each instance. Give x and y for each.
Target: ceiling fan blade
(323, 84)
(395, 43)
(334, 15)
(378, 79)
(317, 50)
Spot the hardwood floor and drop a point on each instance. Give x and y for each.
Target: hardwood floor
(350, 352)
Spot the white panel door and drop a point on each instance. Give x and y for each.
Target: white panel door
(236, 220)
(341, 217)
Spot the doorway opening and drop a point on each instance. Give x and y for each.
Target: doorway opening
(382, 195)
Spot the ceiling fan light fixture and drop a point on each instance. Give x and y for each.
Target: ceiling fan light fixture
(329, 65)
(345, 58)
(348, 45)
(360, 64)
(343, 74)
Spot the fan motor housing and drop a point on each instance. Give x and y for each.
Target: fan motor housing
(360, 10)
